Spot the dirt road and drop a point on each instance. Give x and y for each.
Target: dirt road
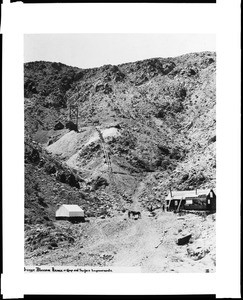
(148, 243)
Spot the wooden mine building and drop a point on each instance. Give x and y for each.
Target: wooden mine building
(198, 199)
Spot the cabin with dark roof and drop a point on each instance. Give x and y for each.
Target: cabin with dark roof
(198, 199)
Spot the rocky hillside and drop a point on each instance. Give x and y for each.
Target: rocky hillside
(155, 119)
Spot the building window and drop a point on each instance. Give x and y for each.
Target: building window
(176, 202)
(208, 201)
(211, 194)
(188, 201)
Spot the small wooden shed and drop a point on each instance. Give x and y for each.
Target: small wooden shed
(70, 212)
(58, 126)
(198, 199)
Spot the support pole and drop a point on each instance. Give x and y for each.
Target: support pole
(179, 205)
(69, 112)
(169, 204)
(77, 116)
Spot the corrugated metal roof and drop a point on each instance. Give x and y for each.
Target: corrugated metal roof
(72, 207)
(185, 194)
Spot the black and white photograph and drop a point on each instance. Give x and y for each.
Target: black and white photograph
(120, 158)
(121, 149)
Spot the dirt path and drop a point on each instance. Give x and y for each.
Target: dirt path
(141, 238)
(136, 206)
(139, 244)
(148, 243)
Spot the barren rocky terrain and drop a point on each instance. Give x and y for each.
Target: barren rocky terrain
(155, 120)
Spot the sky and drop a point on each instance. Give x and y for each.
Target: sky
(95, 50)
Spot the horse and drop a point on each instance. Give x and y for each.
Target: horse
(134, 213)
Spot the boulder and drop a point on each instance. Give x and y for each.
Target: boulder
(192, 72)
(184, 240)
(34, 156)
(72, 181)
(53, 244)
(50, 168)
(197, 252)
(164, 150)
(107, 89)
(212, 139)
(50, 142)
(61, 176)
(100, 182)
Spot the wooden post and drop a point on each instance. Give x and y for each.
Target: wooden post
(69, 112)
(169, 204)
(170, 192)
(170, 199)
(77, 116)
(178, 207)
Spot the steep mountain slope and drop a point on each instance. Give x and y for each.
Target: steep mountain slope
(50, 183)
(156, 118)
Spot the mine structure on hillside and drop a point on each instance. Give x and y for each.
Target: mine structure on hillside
(73, 111)
(108, 161)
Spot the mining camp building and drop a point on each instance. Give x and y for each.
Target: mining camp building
(198, 199)
(70, 212)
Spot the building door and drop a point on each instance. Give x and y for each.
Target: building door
(209, 203)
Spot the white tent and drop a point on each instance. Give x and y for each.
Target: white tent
(69, 211)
